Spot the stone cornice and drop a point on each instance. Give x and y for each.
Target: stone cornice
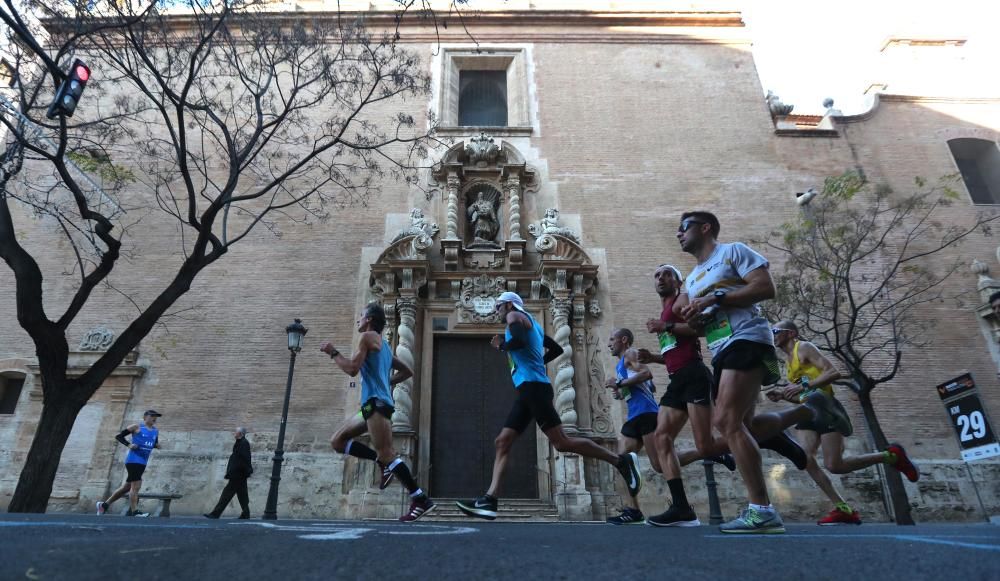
(890, 98)
(555, 26)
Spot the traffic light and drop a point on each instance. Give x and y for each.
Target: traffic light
(70, 91)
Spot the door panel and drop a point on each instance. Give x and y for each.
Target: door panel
(472, 395)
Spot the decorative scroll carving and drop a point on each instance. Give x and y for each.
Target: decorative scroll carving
(600, 404)
(484, 263)
(775, 106)
(594, 308)
(452, 221)
(420, 227)
(478, 302)
(482, 149)
(564, 390)
(406, 308)
(97, 339)
(514, 192)
(549, 224)
(557, 247)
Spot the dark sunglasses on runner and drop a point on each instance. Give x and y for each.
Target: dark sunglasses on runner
(776, 331)
(686, 224)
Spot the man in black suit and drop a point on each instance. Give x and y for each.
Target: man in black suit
(237, 472)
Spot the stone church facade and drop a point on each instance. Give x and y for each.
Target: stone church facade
(615, 123)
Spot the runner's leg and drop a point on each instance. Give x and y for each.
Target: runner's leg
(810, 443)
(833, 456)
(502, 444)
(738, 390)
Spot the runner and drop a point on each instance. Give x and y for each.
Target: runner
(375, 361)
(633, 383)
(810, 370)
(145, 437)
(524, 345)
(723, 291)
(687, 396)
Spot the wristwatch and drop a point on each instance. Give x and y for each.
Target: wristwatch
(719, 295)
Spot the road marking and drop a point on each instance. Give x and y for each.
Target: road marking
(147, 550)
(347, 532)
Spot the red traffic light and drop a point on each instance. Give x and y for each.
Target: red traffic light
(81, 72)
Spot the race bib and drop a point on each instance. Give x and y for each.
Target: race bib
(511, 364)
(667, 342)
(718, 331)
(626, 393)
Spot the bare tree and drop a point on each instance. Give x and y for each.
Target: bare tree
(860, 262)
(217, 101)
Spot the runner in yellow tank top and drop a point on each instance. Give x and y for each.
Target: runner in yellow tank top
(809, 370)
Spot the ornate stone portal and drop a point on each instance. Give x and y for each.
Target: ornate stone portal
(447, 286)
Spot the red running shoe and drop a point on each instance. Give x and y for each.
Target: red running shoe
(903, 463)
(418, 508)
(839, 517)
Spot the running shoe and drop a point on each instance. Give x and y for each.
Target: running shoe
(137, 513)
(726, 460)
(628, 467)
(628, 516)
(418, 508)
(903, 462)
(483, 507)
(754, 522)
(387, 476)
(210, 515)
(827, 414)
(787, 447)
(102, 507)
(675, 517)
(839, 517)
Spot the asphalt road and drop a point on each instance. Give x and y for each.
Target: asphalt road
(80, 547)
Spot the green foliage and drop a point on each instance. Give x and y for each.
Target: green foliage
(102, 166)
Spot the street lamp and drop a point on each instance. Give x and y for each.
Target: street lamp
(295, 334)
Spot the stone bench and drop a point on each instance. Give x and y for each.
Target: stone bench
(164, 499)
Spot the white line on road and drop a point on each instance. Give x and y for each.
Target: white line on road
(343, 532)
(941, 540)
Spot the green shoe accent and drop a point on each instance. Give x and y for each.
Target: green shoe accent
(844, 508)
(752, 522)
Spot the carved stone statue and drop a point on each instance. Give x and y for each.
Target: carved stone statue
(549, 224)
(419, 226)
(483, 218)
(775, 105)
(482, 148)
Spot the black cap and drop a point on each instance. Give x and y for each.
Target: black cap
(153, 413)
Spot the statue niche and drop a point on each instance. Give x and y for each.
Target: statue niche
(482, 204)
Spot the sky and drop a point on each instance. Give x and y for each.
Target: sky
(808, 50)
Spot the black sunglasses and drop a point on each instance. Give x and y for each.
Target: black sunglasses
(686, 224)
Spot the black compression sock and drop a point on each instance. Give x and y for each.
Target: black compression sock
(359, 450)
(677, 492)
(787, 447)
(402, 471)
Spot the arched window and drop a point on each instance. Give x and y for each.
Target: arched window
(10, 391)
(482, 98)
(979, 162)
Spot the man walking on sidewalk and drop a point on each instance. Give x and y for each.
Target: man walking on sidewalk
(238, 470)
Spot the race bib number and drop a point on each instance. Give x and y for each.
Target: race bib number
(626, 393)
(718, 331)
(511, 364)
(667, 342)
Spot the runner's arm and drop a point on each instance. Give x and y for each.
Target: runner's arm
(552, 349)
(810, 354)
(129, 430)
(353, 365)
(642, 373)
(403, 371)
(518, 326)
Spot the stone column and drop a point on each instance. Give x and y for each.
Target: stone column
(452, 218)
(564, 391)
(406, 309)
(514, 191)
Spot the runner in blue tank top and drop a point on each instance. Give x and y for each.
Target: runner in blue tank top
(633, 383)
(145, 437)
(528, 349)
(375, 362)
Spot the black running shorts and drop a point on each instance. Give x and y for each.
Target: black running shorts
(374, 405)
(134, 471)
(745, 355)
(812, 427)
(691, 384)
(534, 401)
(639, 426)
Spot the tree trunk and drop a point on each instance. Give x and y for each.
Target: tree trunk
(34, 487)
(897, 493)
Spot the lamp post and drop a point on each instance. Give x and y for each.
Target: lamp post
(295, 334)
(714, 510)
